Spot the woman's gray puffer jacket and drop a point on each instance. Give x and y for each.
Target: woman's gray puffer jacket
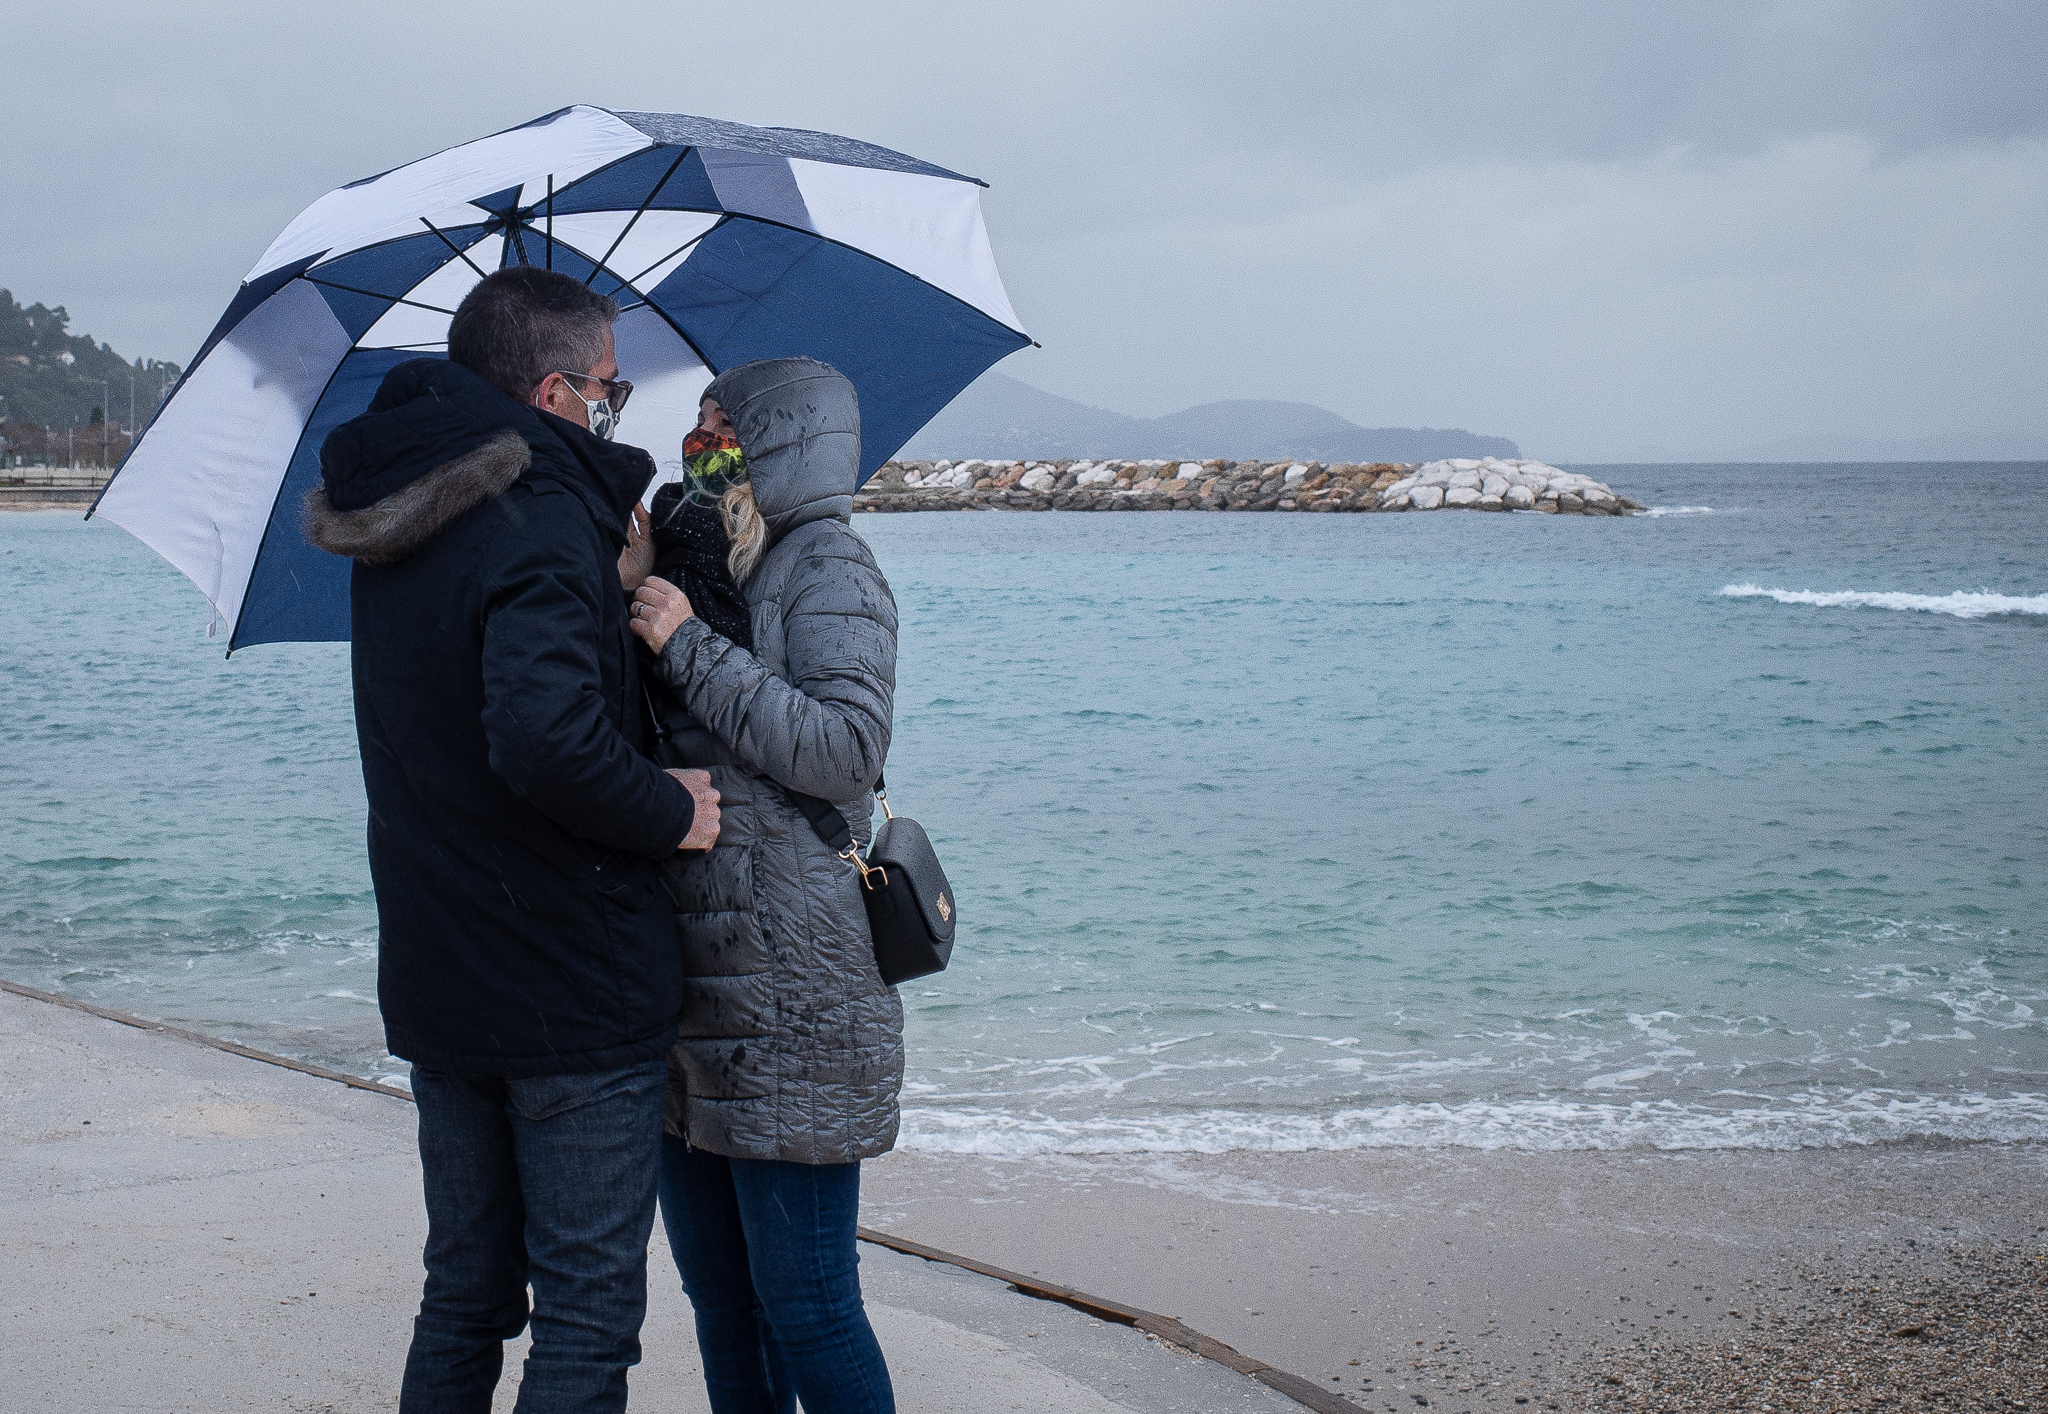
(790, 1045)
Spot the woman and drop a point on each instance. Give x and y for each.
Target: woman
(791, 1052)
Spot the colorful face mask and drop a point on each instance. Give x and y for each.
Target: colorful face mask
(715, 462)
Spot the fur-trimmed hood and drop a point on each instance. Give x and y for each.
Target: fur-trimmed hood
(406, 521)
(440, 440)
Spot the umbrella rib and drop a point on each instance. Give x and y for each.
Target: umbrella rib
(376, 294)
(647, 201)
(635, 281)
(454, 247)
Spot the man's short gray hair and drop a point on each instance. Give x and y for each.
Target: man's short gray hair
(521, 324)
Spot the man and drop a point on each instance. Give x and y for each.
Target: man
(528, 965)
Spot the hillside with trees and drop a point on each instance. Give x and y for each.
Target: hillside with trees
(54, 383)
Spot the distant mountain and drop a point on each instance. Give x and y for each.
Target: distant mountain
(999, 417)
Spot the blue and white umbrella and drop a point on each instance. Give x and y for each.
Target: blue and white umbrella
(722, 243)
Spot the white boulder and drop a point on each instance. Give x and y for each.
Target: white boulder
(1294, 474)
(1520, 497)
(1039, 478)
(1461, 496)
(1188, 471)
(1095, 476)
(1426, 498)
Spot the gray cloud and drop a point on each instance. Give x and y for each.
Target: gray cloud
(1591, 227)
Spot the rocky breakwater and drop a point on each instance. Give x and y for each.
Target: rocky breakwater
(1220, 485)
(1490, 484)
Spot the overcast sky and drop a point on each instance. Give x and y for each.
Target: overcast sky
(1597, 228)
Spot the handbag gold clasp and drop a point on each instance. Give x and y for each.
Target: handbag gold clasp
(852, 856)
(882, 798)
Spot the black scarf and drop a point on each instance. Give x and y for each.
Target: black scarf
(690, 546)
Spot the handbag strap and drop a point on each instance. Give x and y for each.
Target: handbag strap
(827, 819)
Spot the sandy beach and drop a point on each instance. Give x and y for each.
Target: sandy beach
(1468, 1278)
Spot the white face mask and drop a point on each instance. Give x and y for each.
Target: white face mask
(603, 421)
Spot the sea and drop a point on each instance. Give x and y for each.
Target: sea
(1722, 826)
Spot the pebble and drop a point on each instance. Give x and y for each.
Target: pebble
(1220, 484)
(1961, 1328)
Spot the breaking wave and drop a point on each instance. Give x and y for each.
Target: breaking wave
(1804, 1121)
(1657, 511)
(1961, 604)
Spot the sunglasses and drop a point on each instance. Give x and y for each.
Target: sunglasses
(617, 390)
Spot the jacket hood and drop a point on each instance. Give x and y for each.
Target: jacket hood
(798, 421)
(439, 440)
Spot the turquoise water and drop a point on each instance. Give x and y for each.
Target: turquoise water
(1269, 831)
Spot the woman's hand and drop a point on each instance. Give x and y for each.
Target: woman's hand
(636, 561)
(659, 609)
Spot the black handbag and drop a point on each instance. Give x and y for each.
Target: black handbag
(910, 905)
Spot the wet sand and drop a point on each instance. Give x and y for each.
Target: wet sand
(1468, 1278)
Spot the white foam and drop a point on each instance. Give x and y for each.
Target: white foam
(1805, 1121)
(1961, 604)
(1656, 511)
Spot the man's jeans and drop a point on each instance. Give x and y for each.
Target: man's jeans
(767, 1254)
(550, 1182)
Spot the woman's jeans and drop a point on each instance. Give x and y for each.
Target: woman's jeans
(767, 1253)
(548, 1181)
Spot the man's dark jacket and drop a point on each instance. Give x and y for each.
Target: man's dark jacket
(515, 819)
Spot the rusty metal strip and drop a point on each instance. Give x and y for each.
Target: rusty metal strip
(354, 1082)
(1303, 1392)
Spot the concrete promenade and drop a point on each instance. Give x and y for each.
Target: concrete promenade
(186, 1229)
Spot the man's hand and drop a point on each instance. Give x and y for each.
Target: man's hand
(659, 609)
(704, 825)
(636, 561)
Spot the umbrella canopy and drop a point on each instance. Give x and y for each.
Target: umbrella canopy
(722, 243)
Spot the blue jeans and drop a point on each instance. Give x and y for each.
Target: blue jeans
(767, 1254)
(547, 1181)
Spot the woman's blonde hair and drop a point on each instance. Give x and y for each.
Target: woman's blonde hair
(745, 528)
